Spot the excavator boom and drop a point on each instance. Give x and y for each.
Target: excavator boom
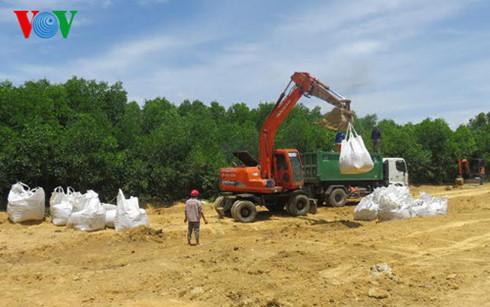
(304, 84)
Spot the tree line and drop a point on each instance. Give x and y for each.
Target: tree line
(87, 135)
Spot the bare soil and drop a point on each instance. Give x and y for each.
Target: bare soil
(318, 260)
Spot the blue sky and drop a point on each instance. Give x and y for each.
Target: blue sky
(401, 59)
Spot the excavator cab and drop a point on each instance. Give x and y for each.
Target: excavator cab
(288, 170)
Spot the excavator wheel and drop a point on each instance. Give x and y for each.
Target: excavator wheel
(243, 211)
(298, 204)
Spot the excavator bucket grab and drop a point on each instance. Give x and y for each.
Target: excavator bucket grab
(341, 115)
(337, 119)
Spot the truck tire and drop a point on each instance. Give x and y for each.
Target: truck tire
(298, 204)
(218, 206)
(337, 198)
(243, 211)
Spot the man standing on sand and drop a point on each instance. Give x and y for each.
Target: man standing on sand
(193, 214)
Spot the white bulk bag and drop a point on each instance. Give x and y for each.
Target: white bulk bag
(60, 206)
(110, 214)
(427, 205)
(91, 214)
(395, 203)
(25, 204)
(75, 198)
(128, 213)
(367, 209)
(354, 157)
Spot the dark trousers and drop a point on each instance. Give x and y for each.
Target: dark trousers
(377, 145)
(193, 226)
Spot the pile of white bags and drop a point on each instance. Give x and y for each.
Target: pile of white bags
(128, 213)
(83, 212)
(88, 213)
(354, 157)
(25, 204)
(61, 205)
(389, 203)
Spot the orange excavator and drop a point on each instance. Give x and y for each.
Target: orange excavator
(276, 180)
(470, 171)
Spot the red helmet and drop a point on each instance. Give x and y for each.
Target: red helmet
(194, 193)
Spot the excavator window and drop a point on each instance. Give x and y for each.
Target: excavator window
(281, 162)
(282, 168)
(296, 166)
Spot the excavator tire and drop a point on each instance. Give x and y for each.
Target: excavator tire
(337, 198)
(244, 211)
(298, 204)
(218, 206)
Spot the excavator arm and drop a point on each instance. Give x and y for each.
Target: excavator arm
(304, 84)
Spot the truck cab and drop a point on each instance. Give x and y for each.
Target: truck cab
(395, 171)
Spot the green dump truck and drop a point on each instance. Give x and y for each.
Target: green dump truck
(325, 183)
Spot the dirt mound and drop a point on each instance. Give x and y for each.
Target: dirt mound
(141, 233)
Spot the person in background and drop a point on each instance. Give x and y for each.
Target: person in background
(193, 215)
(376, 137)
(339, 137)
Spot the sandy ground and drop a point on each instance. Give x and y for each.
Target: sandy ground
(318, 260)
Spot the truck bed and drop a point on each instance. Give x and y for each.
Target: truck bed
(323, 166)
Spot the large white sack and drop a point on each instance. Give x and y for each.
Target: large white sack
(427, 205)
(60, 206)
(57, 196)
(128, 213)
(354, 157)
(25, 204)
(367, 209)
(91, 216)
(110, 214)
(395, 203)
(76, 199)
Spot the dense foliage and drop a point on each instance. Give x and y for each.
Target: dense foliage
(86, 134)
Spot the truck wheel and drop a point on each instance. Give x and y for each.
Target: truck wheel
(298, 205)
(337, 198)
(243, 211)
(218, 206)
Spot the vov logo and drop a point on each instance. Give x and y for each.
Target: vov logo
(45, 24)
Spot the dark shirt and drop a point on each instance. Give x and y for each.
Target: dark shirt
(339, 137)
(376, 134)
